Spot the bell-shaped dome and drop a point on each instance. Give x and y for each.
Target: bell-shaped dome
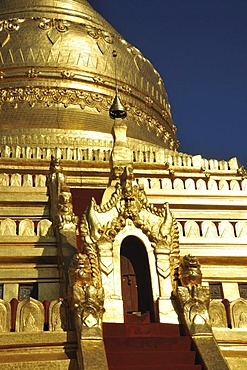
(58, 72)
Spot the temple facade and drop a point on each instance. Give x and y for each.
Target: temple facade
(117, 250)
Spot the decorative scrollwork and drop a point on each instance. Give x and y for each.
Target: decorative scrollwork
(130, 202)
(97, 33)
(67, 97)
(67, 74)
(149, 101)
(11, 24)
(58, 24)
(6, 26)
(32, 73)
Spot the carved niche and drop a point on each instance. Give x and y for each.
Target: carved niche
(226, 229)
(217, 314)
(223, 185)
(190, 184)
(40, 181)
(44, 228)
(167, 184)
(178, 184)
(15, 180)
(5, 316)
(28, 180)
(241, 229)
(209, 229)
(201, 185)
(238, 312)
(4, 179)
(212, 185)
(234, 185)
(30, 316)
(58, 315)
(26, 228)
(191, 229)
(8, 227)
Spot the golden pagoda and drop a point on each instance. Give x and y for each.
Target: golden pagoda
(117, 251)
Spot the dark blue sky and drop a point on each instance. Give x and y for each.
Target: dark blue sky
(200, 49)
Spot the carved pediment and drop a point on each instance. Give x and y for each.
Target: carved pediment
(129, 201)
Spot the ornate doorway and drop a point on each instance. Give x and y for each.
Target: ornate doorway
(136, 281)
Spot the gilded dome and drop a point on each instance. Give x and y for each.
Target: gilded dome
(58, 71)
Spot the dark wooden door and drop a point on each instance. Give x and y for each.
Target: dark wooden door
(136, 280)
(129, 286)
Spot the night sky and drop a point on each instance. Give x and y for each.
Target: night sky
(200, 49)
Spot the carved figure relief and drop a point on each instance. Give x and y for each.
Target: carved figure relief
(234, 185)
(30, 316)
(238, 312)
(61, 199)
(209, 230)
(45, 228)
(27, 180)
(191, 229)
(40, 181)
(212, 185)
(66, 218)
(15, 179)
(4, 179)
(8, 227)
(156, 184)
(58, 315)
(166, 184)
(226, 230)
(217, 314)
(5, 315)
(201, 185)
(223, 185)
(241, 229)
(26, 228)
(189, 184)
(178, 184)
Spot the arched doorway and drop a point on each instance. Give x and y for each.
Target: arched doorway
(136, 281)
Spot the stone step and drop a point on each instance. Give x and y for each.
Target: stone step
(65, 364)
(118, 344)
(38, 350)
(154, 367)
(148, 358)
(141, 330)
